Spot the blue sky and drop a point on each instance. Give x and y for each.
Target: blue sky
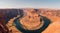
(30, 4)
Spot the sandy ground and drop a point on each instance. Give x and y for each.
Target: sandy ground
(54, 27)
